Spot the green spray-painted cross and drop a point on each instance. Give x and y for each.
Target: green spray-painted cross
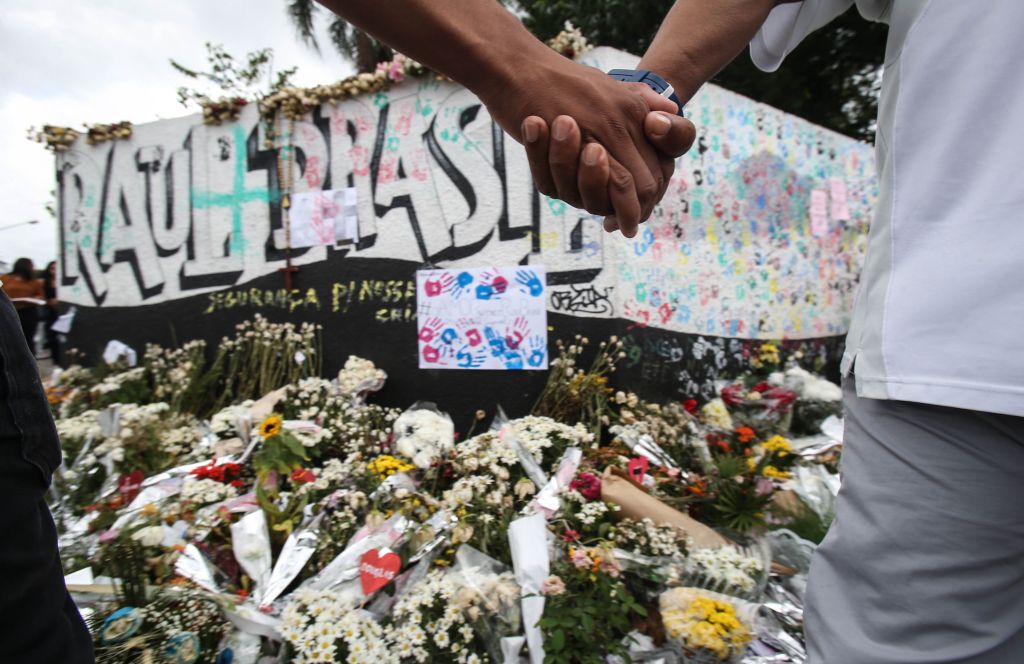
(238, 197)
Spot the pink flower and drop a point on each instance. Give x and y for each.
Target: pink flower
(672, 472)
(764, 486)
(611, 567)
(589, 486)
(570, 535)
(579, 558)
(552, 585)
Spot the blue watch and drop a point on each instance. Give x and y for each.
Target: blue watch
(653, 81)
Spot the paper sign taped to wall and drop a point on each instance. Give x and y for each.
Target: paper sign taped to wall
(840, 200)
(482, 318)
(819, 213)
(323, 217)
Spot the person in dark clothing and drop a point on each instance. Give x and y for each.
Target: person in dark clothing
(22, 286)
(51, 313)
(39, 621)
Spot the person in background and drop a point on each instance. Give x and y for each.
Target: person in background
(22, 286)
(51, 313)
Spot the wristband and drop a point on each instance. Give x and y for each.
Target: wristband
(653, 81)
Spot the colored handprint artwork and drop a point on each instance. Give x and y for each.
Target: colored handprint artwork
(482, 318)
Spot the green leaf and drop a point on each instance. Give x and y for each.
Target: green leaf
(557, 641)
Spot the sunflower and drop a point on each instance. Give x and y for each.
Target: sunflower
(271, 426)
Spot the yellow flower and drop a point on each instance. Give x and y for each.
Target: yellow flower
(775, 473)
(777, 444)
(270, 427)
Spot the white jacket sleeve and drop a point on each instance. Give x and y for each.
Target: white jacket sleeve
(786, 27)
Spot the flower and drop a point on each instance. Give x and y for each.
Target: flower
(303, 475)
(588, 485)
(271, 426)
(690, 406)
(553, 585)
(745, 434)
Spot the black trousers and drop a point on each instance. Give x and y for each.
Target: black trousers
(39, 622)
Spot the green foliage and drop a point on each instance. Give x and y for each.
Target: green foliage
(594, 603)
(282, 453)
(352, 43)
(831, 79)
(805, 522)
(231, 77)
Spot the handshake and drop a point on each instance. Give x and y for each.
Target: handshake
(597, 143)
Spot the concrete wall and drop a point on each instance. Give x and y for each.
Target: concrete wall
(760, 236)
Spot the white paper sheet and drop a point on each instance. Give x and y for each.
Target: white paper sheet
(323, 217)
(482, 318)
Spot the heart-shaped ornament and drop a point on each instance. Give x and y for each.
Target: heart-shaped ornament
(377, 570)
(637, 468)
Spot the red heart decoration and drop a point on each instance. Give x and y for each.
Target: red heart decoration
(377, 571)
(637, 468)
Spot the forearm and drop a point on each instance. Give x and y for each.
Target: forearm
(477, 43)
(699, 37)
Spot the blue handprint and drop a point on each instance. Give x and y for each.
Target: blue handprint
(484, 292)
(538, 353)
(449, 335)
(532, 282)
(470, 358)
(462, 283)
(513, 360)
(495, 341)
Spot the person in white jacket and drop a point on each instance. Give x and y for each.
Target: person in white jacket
(924, 560)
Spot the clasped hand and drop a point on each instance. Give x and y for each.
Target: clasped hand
(596, 143)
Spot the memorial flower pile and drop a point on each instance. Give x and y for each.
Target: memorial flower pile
(302, 522)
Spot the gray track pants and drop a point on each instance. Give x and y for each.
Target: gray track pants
(925, 560)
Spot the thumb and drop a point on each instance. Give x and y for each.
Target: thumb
(670, 134)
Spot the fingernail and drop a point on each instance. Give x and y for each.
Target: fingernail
(591, 154)
(661, 124)
(530, 132)
(560, 130)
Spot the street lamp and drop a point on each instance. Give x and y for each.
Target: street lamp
(20, 223)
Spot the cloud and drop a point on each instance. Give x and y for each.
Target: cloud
(67, 63)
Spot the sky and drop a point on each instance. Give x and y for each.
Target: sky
(67, 62)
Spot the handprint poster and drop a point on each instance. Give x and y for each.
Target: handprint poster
(482, 318)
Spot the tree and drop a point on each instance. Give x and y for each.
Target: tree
(831, 79)
(363, 50)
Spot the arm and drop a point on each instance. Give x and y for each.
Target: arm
(487, 49)
(698, 38)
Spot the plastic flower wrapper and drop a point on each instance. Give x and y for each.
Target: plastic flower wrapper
(766, 408)
(250, 542)
(176, 627)
(321, 625)
(359, 377)
(489, 596)
(296, 552)
(341, 575)
(549, 499)
(710, 627)
(429, 622)
(424, 435)
(733, 570)
(527, 538)
(817, 398)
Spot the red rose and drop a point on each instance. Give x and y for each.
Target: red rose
(690, 405)
(588, 484)
(303, 475)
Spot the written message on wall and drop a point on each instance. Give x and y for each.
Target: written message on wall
(761, 234)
